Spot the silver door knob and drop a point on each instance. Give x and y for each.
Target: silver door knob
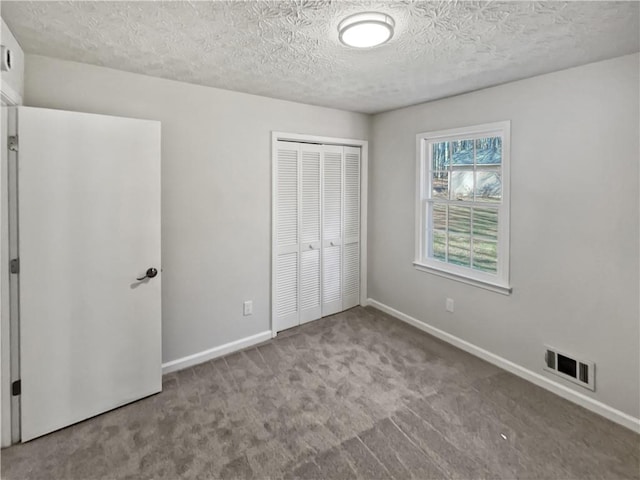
(310, 247)
(332, 244)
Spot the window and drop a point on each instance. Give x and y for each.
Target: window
(462, 221)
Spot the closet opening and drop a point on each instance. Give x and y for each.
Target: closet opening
(318, 227)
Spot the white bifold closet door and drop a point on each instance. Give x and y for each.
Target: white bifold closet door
(316, 251)
(332, 190)
(286, 312)
(310, 225)
(351, 236)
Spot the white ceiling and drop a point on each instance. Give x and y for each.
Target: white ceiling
(290, 49)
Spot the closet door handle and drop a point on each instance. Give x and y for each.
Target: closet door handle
(310, 247)
(331, 243)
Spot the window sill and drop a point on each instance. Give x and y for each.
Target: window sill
(493, 287)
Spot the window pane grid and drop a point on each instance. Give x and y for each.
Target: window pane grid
(463, 200)
(482, 183)
(451, 237)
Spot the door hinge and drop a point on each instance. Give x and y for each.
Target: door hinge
(16, 388)
(12, 143)
(14, 265)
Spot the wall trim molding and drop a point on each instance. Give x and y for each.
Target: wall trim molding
(215, 352)
(9, 96)
(567, 393)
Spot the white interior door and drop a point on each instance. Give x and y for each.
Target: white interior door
(332, 188)
(89, 225)
(310, 231)
(351, 238)
(286, 269)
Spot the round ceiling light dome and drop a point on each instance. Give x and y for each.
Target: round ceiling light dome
(366, 30)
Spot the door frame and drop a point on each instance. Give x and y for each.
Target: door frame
(10, 412)
(364, 183)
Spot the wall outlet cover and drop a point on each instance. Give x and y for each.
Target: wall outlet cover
(247, 308)
(449, 305)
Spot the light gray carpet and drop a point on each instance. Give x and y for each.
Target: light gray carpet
(356, 395)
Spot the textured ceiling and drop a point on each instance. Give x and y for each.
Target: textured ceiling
(290, 49)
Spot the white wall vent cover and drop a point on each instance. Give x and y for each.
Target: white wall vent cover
(568, 366)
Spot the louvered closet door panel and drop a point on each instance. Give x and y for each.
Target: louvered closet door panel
(351, 244)
(286, 249)
(331, 272)
(310, 286)
(287, 195)
(332, 194)
(332, 202)
(310, 226)
(287, 290)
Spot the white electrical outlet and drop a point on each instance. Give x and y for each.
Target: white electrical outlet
(449, 305)
(247, 308)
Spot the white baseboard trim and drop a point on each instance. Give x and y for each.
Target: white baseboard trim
(578, 398)
(206, 355)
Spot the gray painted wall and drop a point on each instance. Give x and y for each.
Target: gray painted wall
(216, 187)
(574, 223)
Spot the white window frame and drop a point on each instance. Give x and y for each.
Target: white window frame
(498, 282)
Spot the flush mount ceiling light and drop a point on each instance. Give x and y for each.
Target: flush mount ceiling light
(365, 30)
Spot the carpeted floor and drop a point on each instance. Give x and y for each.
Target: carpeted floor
(355, 395)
